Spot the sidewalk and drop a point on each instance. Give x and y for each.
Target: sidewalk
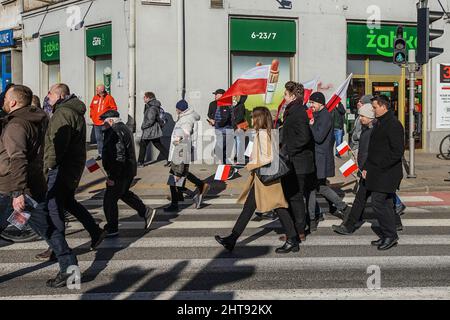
(430, 172)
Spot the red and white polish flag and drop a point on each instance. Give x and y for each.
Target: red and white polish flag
(253, 81)
(310, 87)
(92, 165)
(223, 172)
(348, 168)
(339, 95)
(343, 148)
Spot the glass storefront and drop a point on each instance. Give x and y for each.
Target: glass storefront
(263, 42)
(99, 49)
(5, 69)
(369, 58)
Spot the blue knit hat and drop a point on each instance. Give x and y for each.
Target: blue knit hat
(182, 105)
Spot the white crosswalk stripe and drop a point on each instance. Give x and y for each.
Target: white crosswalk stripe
(181, 253)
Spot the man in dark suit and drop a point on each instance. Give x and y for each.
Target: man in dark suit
(383, 169)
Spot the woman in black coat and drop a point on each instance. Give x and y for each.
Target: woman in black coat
(298, 144)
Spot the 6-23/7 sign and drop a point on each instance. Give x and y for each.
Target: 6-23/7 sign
(263, 35)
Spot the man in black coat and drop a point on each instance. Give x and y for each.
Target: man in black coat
(119, 161)
(323, 133)
(383, 169)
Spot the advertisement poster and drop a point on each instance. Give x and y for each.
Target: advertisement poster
(278, 79)
(443, 97)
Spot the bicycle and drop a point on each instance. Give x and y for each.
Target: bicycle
(444, 148)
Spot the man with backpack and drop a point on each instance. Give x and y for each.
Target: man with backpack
(152, 129)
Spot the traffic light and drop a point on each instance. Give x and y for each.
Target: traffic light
(399, 48)
(425, 34)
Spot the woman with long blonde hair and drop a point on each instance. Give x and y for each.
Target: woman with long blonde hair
(257, 195)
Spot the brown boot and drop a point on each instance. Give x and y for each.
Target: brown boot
(47, 255)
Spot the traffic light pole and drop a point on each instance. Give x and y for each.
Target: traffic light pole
(412, 68)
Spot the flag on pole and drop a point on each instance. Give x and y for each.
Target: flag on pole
(92, 165)
(348, 168)
(339, 95)
(343, 148)
(310, 87)
(223, 172)
(253, 81)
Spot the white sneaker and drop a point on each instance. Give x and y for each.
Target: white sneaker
(149, 216)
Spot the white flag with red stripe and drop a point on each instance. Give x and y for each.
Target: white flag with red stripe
(348, 168)
(223, 172)
(340, 94)
(343, 148)
(310, 87)
(254, 81)
(92, 165)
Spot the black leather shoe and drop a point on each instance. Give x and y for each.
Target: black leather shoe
(399, 227)
(98, 239)
(388, 243)
(340, 214)
(267, 215)
(377, 243)
(60, 280)
(289, 246)
(342, 229)
(228, 242)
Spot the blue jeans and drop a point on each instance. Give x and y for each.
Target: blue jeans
(40, 222)
(339, 137)
(98, 130)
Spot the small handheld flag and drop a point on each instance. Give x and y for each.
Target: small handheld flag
(348, 168)
(92, 165)
(223, 172)
(343, 148)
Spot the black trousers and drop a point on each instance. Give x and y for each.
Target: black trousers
(120, 191)
(294, 190)
(61, 199)
(176, 193)
(359, 205)
(382, 204)
(158, 145)
(250, 208)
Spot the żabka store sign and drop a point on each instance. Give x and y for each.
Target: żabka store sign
(362, 40)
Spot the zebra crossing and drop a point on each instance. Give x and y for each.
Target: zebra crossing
(179, 259)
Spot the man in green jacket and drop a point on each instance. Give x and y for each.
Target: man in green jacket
(64, 162)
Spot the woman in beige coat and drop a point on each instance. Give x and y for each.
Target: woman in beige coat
(259, 196)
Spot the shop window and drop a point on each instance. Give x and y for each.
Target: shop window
(381, 66)
(356, 66)
(103, 71)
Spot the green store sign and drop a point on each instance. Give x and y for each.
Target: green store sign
(99, 41)
(377, 42)
(257, 35)
(50, 49)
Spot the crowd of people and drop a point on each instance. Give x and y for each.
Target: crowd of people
(43, 155)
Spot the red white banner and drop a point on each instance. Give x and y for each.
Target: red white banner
(223, 172)
(254, 81)
(348, 168)
(92, 165)
(310, 87)
(343, 148)
(339, 95)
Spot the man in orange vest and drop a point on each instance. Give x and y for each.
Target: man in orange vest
(101, 103)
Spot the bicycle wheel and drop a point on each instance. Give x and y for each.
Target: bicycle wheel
(444, 148)
(11, 233)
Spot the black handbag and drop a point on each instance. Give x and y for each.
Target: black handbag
(267, 174)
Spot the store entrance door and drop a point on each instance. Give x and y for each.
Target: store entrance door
(391, 89)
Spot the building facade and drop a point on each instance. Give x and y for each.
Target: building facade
(190, 48)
